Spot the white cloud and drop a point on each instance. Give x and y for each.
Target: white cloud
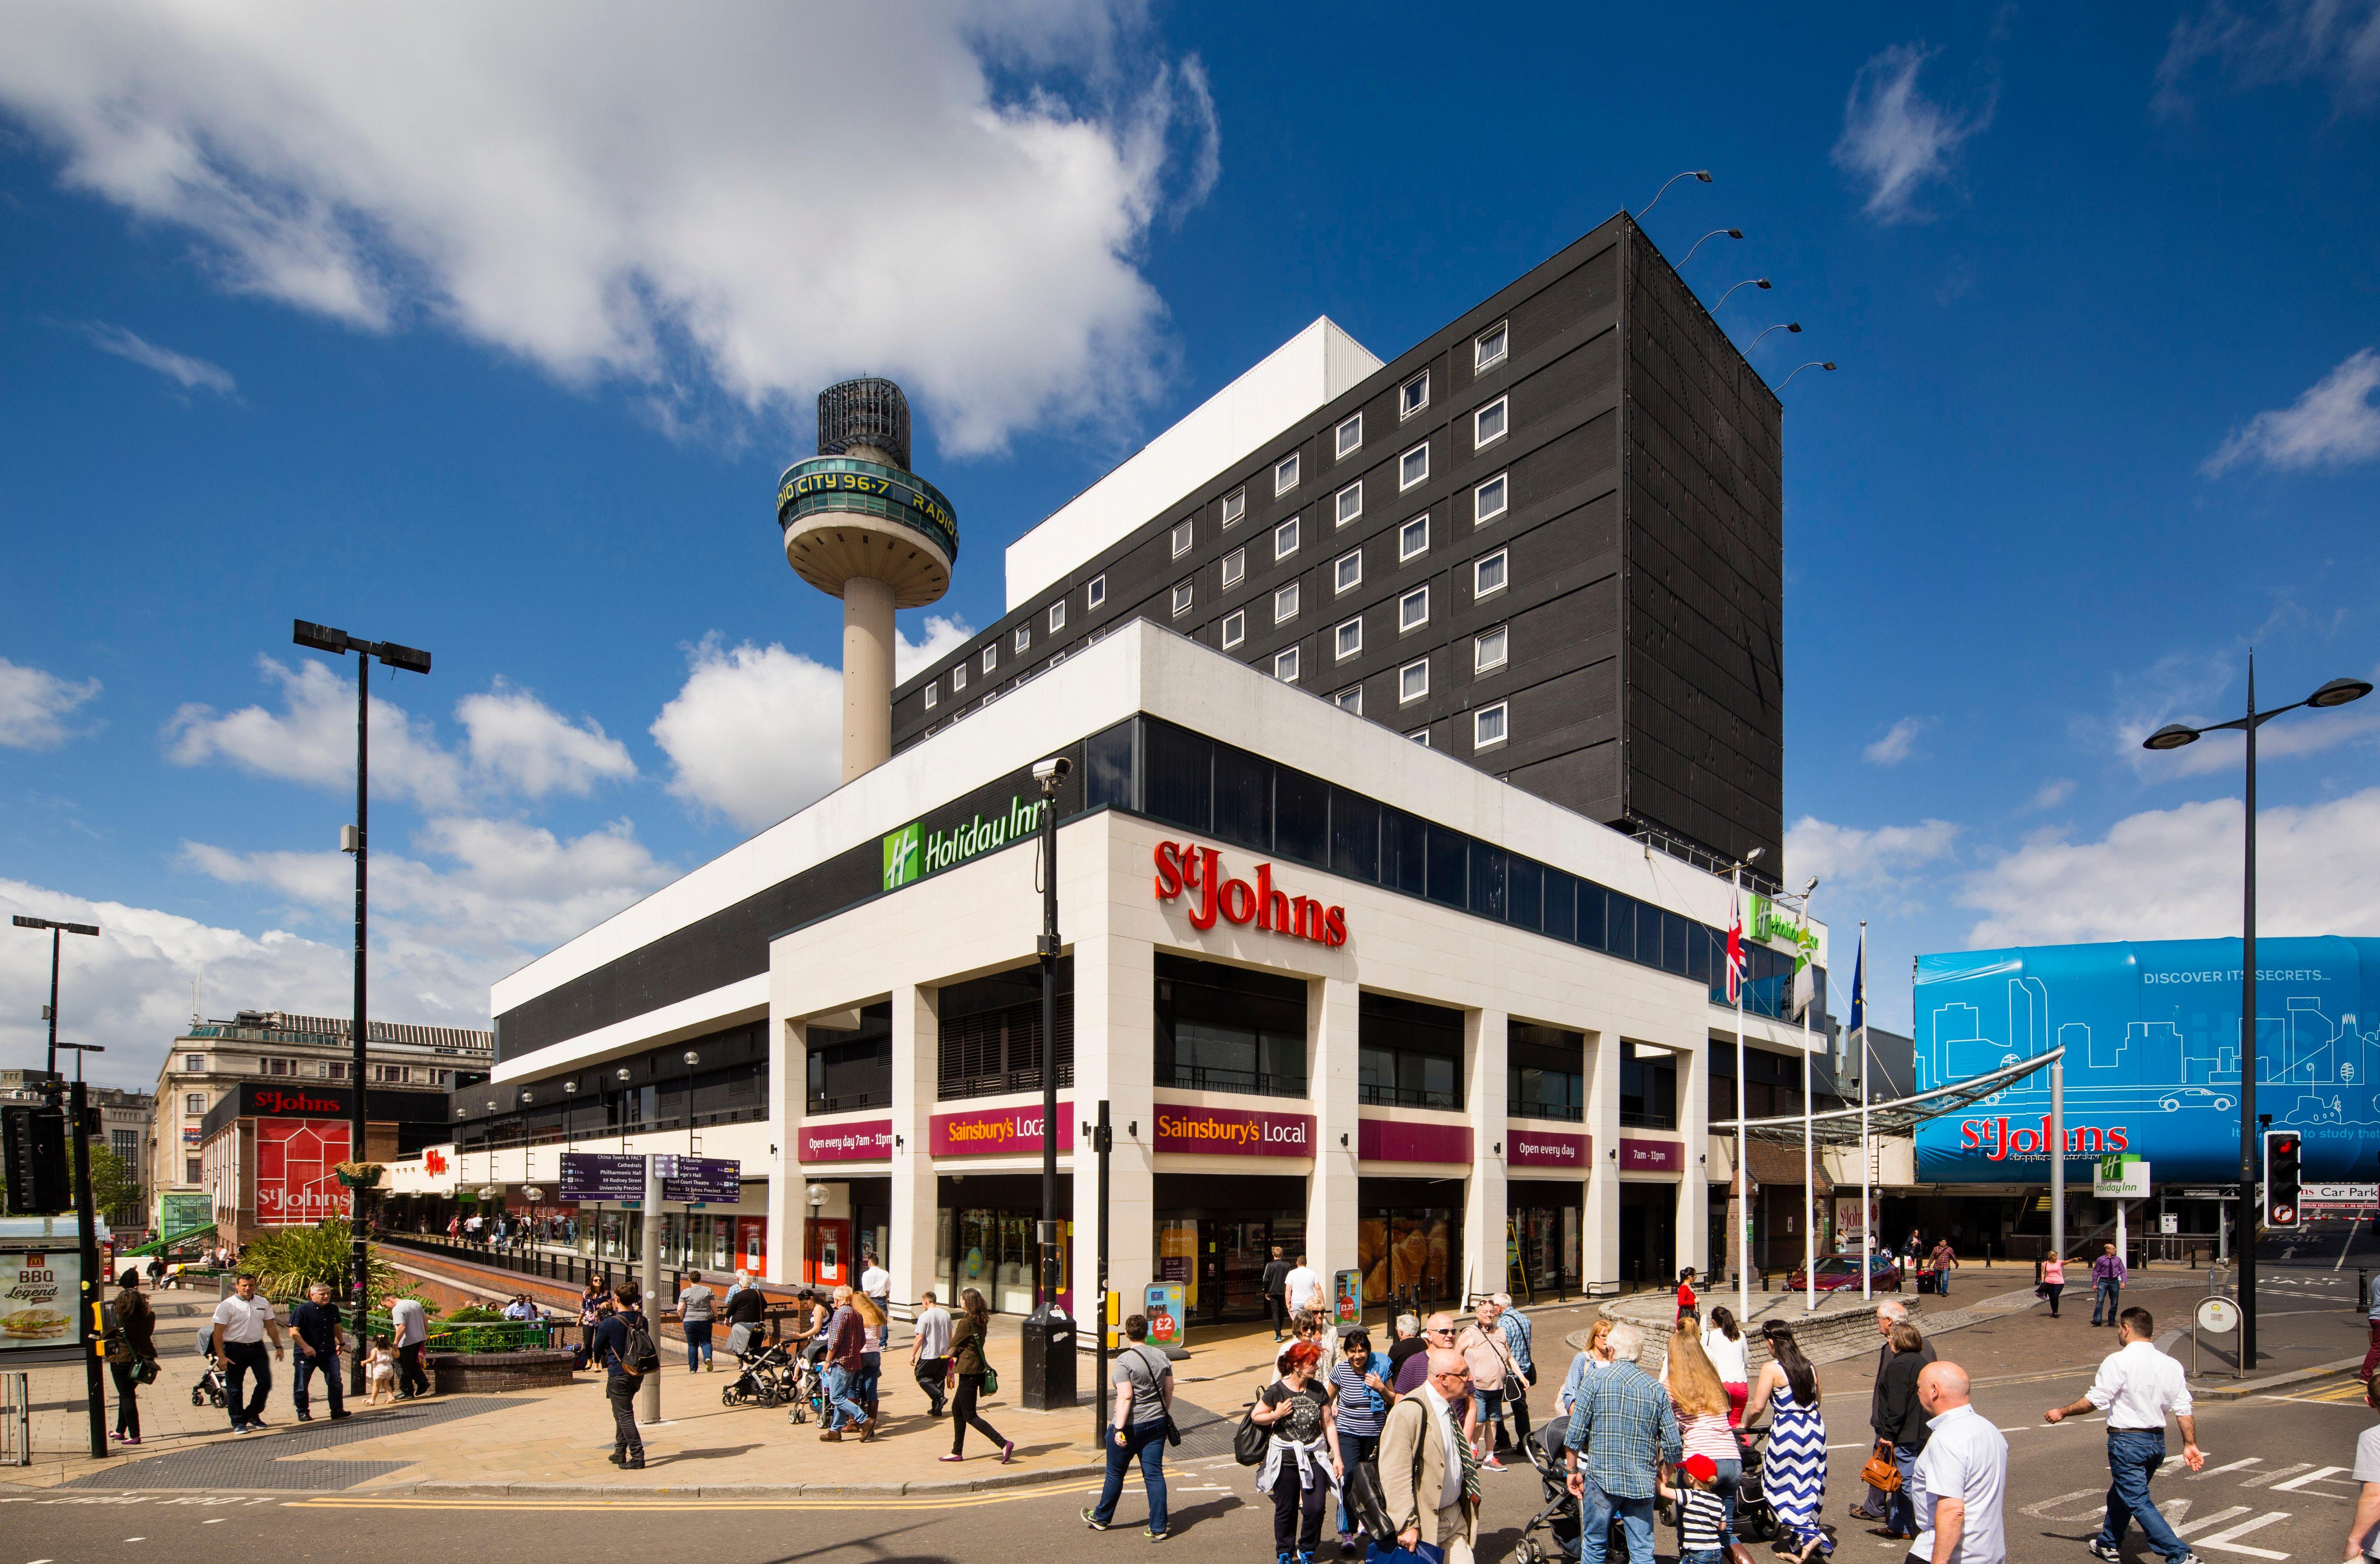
(512, 742)
(755, 733)
(1899, 742)
(2333, 425)
(942, 635)
(2174, 873)
(737, 201)
(2051, 793)
(535, 751)
(1895, 139)
(2336, 41)
(34, 704)
(190, 374)
(1877, 857)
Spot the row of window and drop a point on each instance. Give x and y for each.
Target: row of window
(1488, 502)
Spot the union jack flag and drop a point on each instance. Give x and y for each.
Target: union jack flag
(1735, 953)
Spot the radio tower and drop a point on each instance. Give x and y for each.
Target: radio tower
(861, 527)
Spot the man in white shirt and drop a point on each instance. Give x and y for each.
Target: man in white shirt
(929, 1350)
(2136, 1387)
(1304, 1287)
(242, 1322)
(876, 1283)
(1960, 1476)
(411, 1323)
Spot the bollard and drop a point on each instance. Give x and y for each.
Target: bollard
(2362, 1288)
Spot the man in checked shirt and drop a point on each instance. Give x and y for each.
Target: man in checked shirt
(1623, 1423)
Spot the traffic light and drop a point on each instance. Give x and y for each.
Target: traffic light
(2281, 1148)
(33, 1144)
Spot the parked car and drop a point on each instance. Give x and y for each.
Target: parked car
(1839, 1271)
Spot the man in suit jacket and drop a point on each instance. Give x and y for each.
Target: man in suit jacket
(1421, 1464)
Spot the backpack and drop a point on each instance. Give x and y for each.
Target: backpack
(641, 1357)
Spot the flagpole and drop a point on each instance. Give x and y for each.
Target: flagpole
(1738, 963)
(1809, 1158)
(1867, 1159)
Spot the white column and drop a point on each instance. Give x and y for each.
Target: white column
(1115, 1058)
(1694, 1131)
(1485, 1211)
(915, 1044)
(867, 680)
(788, 1238)
(1599, 1222)
(1332, 1009)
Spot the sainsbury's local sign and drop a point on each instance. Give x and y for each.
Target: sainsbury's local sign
(1186, 866)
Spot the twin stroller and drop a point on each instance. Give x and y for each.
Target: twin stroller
(765, 1373)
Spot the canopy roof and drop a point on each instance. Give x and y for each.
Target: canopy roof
(1841, 1126)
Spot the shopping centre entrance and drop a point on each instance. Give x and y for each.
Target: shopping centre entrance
(1649, 1235)
(1215, 1234)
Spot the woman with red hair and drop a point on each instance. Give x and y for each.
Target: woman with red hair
(1300, 1465)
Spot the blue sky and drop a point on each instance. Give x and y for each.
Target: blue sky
(491, 335)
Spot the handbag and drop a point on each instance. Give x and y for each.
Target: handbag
(1879, 1472)
(990, 1380)
(144, 1371)
(1249, 1439)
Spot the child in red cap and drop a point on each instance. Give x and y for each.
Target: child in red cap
(1702, 1514)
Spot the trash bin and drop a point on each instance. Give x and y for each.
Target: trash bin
(1048, 1362)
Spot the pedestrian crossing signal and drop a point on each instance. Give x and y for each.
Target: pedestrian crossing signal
(2281, 1178)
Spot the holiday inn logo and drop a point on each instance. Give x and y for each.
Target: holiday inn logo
(903, 855)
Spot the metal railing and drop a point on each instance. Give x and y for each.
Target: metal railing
(1569, 1113)
(1222, 1078)
(16, 1420)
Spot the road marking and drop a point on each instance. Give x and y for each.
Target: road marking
(2262, 1478)
(2217, 1519)
(2234, 1466)
(956, 1501)
(2222, 1540)
(2294, 1484)
(2041, 1511)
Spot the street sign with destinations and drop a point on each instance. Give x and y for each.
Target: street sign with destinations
(594, 1175)
(696, 1181)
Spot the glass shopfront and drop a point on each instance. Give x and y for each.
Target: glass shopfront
(1408, 1240)
(1649, 1235)
(1216, 1233)
(983, 1238)
(1542, 1242)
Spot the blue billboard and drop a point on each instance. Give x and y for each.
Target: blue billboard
(2151, 1030)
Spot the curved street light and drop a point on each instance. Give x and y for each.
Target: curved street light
(1761, 283)
(1731, 232)
(1794, 326)
(1701, 174)
(1826, 364)
(2174, 735)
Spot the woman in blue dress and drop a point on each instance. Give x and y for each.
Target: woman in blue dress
(1793, 1473)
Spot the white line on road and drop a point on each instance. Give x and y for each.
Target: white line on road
(2234, 1466)
(2222, 1540)
(2203, 1521)
(2291, 1470)
(2294, 1484)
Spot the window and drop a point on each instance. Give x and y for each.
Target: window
(1285, 474)
(1097, 592)
(1544, 1078)
(1488, 726)
(1488, 347)
(1348, 640)
(1235, 628)
(1413, 539)
(1235, 505)
(1351, 502)
(1414, 396)
(1490, 649)
(192, 1170)
(194, 1102)
(1488, 575)
(1181, 599)
(991, 658)
(337, 1071)
(1023, 638)
(958, 678)
(1228, 1029)
(1284, 665)
(1413, 466)
(1413, 610)
(1057, 616)
(1348, 572)
(1489, 500)
(1488, 423)
(194, 1062)
(1648, 1087)
(1350, 699)
(1413, 682)
(1235, 566)
(1420, 736)
(1284, 604)
(276, 1067)
(1407, 1055)
(1284, 538)
(1182, 537)
(933, 696)
(1351, 434)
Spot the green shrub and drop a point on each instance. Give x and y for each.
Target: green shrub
(287, 1261)
(472, 1314)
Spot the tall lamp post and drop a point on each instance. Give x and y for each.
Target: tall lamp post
(338, 643)
(1051, 1386)
(1740, 977)
(78, 1121)
(49, 1010)
(2173, 735)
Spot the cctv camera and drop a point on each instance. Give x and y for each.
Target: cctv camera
(1053, 770)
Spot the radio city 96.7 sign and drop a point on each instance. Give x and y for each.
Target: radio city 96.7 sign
(1187, 866)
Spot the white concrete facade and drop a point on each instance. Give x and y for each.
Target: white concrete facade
(982, 916)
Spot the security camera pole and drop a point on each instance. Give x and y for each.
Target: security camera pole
(1051, 1386)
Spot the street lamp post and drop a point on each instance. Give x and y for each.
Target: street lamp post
(1741, 978)
(323, 637)
(1049, 1380)
(2173, 735)
(86, 1231)
(1826, 365)
(1760, 282)
(1715, 233)
(1702, 175)
(49, 1010)
(1792, 326)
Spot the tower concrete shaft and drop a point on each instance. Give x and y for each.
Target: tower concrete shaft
(867, 676)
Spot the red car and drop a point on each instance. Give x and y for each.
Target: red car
(1839, 1271)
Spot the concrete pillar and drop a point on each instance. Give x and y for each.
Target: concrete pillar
(1485, 1211)
(1115, 1058)
(1600, 1239)
(867, 676)
(1693, 1131)
(1332, 1009)
(916, 1036)
(789, 1074)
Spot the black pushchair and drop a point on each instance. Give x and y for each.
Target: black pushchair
(210, 1387)
(1551, 1535)
(1756, 1519)
(765, 1376)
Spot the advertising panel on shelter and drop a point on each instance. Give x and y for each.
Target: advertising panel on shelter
(297, 1181)
(2152, 1035)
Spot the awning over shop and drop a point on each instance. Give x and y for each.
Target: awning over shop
(1841, 1126)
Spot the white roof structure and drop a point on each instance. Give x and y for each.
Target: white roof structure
(1309, 370)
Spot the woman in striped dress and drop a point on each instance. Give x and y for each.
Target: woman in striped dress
(1793, 1473)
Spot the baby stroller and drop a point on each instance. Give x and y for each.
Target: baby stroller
(764, 1376)
(1755, 1521)
(210, 1387)
(1551, 1535)
(804, 1390)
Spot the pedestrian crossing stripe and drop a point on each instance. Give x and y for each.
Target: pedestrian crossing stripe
(2347, 1389)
